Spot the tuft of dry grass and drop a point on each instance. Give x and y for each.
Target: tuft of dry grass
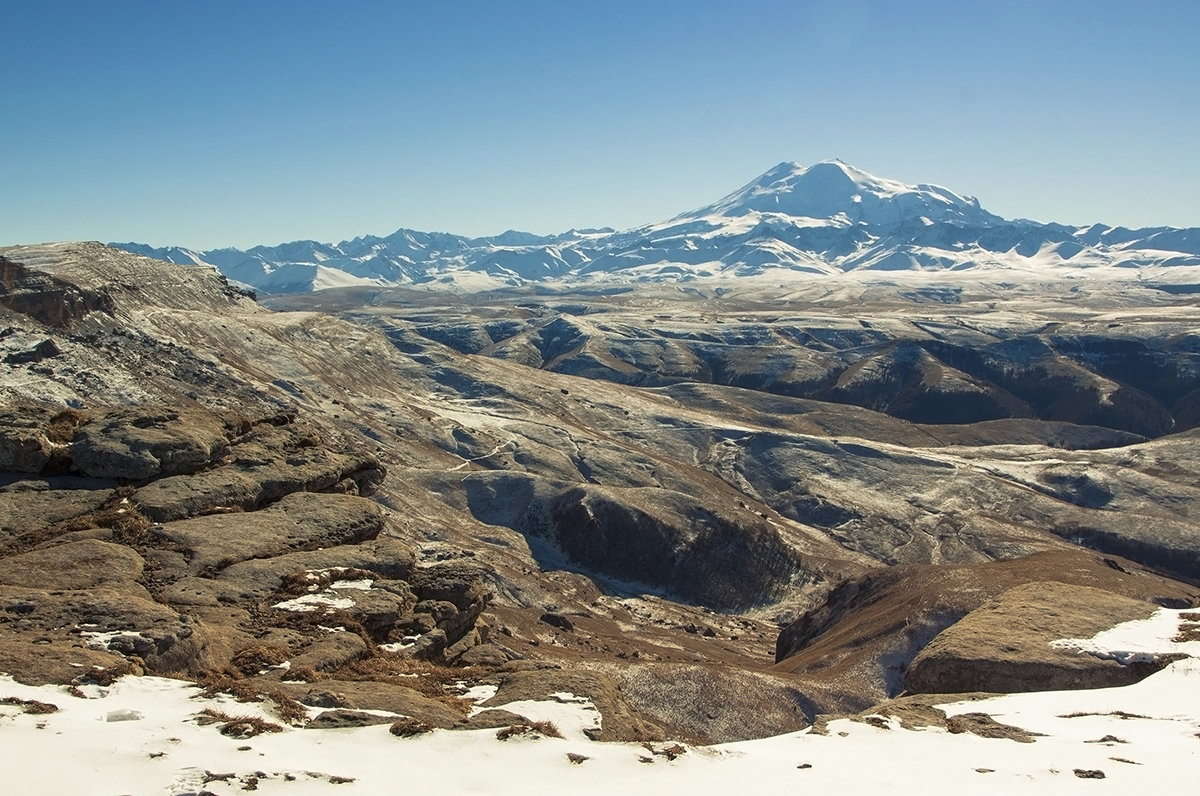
(253, 659)
(408, 727)
(1188, 631)
(62, 426)
(237, 726)
(305, 674)
(107, 676)
(670, 752)
(214, 683)
(534, 729)
(301, 581)
(287, 709)
(576, 759)
(30, 706)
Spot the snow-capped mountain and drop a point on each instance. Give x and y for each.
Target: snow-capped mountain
(793, 221)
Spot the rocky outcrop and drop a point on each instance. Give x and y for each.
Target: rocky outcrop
(41, 296)
(1007, 645)
(688, 546)
(137, 445)
(863, 639)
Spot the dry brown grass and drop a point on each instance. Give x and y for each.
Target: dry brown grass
(253, 659)
(237, 726)
(287, 709)
(31, 706)
(311, 622)
(305, 674)
(1188, 631)
(62, 426)
(421, 676)
(534, 729)
(219, 683)
(408, 727)
(670, 752)
(108, 676)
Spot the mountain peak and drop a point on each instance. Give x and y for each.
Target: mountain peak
(833, 189)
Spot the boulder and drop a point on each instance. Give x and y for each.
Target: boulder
(332, 652)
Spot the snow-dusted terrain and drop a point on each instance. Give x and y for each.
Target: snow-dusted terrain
(141, 735)
(791, 223)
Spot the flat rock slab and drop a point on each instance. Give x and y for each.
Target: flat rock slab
(73, 565)
(141, 443)
(1004, 646)
(29, 510)
(261, 578)
(297, 522)
(367, 695)
(276, 461)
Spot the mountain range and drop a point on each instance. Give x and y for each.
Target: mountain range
(790, 223)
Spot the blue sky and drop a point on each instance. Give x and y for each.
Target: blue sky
(211, 123)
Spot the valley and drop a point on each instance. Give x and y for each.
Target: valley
(718, 516)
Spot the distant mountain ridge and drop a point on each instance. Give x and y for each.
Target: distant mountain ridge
(792, 221)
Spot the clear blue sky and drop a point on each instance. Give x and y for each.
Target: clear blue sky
(208, 123)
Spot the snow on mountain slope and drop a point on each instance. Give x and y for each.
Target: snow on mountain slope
(793, 222)
(831, 188)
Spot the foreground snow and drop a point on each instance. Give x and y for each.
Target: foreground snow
(140, 736)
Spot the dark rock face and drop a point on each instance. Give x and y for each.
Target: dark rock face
(697, 551)
(49, 300)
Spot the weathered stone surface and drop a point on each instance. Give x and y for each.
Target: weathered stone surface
(298, 521)
(260, 578)
(486, 654)
(714, 705)
(341, 717)
(492, 718)
(368, 695)
(24, 450)
(272, 462)
(75, 565)
(855, 648)
(621, 721)
(429, 646)
(27, 508)
(1005, 645)
(136, 444)
(332, 652)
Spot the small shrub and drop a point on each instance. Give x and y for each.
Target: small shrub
(670, 752)
(408, 727)
(63, 426)
(305, 674)
(576, 759)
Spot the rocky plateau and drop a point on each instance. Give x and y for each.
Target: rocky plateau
(719, 513)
